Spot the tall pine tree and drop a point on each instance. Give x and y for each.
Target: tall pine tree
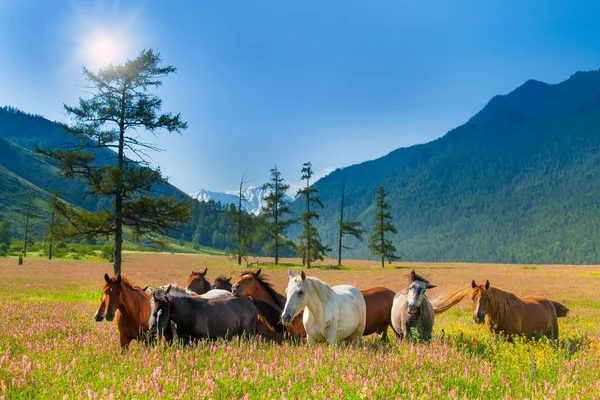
(273, 223)
(311, 248)
(121, 105)
(243, 225)
(378, 244)
(352, 228)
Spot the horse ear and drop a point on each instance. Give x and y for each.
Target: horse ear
(430, 286)
(119, 278)
(229, 280)
(487, 285)
(107, 278)
(258, 272)
(144, 289)
(413, 274)
(168, 289)
(473, 284)
(193, 273)
(204, 272)
(290, 274)
(303, 276)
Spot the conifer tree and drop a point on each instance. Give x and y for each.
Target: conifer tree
(121, 106)
(352, 228)
(243, 226)
(273, 223)
(378, 244)
(311, 248)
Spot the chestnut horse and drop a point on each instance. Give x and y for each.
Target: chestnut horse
(129, 305)
(528, 316)
(198, 283)
(257, 286)
(379, 302)
(222, 283)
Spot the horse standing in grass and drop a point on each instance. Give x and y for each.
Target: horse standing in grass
(198, 318)
(379, 301)
(258, 287)
(331, 314)
(413, 312)
(129, 305)
(222, 283)
(506, 313)
(198, 283)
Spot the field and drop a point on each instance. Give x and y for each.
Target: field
(50, 347)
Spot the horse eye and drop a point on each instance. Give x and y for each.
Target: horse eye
(301, 292)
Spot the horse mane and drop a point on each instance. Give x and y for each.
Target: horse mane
(125, 281)
(221, 278)
(321, 286)
(262, 279)
(501, 305)
(413, 276)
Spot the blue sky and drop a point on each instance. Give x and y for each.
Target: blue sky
(279, 82)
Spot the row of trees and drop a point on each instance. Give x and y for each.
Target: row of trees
(105, 128)
(271, 226)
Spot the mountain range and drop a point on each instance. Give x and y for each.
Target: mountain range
(519, 182)
(252, 198)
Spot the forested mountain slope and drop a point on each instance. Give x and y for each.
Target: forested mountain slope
(519, 182)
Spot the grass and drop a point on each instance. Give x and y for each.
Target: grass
(50, 347)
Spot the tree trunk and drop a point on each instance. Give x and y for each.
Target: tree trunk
(276, 215)
(308, 226)
(27, 229)
(119, 195)
(382, 239)
(239, 238)
(51, 235)
(341, 224)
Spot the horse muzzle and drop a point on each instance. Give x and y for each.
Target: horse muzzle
(109, 316)
(411, 309)
(235, 290)
(98, 317)
(479, 319)
(286, 319)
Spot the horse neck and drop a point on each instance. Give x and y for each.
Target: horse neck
(319, 294)
(501, 305)
(133, 303)
(263, 294)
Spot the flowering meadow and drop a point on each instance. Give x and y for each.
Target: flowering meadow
(50, 347)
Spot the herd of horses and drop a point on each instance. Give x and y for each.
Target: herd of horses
(310, 311)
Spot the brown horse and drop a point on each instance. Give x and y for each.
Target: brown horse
(129, 305)
(379, 302)
(257, 286)
(222, 283)
(506, 313)
(198, 283)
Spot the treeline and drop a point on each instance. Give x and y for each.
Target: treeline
(243, 234)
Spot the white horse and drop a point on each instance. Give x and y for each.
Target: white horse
(330, 313)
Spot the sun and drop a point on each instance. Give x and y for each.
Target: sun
(102, 49)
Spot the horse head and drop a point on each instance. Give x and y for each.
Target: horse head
(111, 298)
(416, 291)
(222, 283)
(198, 283)
(480, 301)
(296, 297)
(160, 314)
(247, 284)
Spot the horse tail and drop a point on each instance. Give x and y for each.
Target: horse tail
(561, 310)
(448, 300)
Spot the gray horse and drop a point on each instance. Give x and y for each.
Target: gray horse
(413, 312)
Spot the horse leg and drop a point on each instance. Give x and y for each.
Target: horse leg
(384, 333)
(124, 340)
(311, 340)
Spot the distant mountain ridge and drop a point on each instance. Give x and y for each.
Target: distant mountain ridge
(253, 196)
(518, 182)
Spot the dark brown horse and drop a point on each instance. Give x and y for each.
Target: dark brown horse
(506, 313)
(379, 302)
(257, 286)
(198, 318)
(198, 283)
(222, 283)
(128, 304)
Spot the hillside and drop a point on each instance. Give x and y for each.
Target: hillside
(25, 174)
(519, 182)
